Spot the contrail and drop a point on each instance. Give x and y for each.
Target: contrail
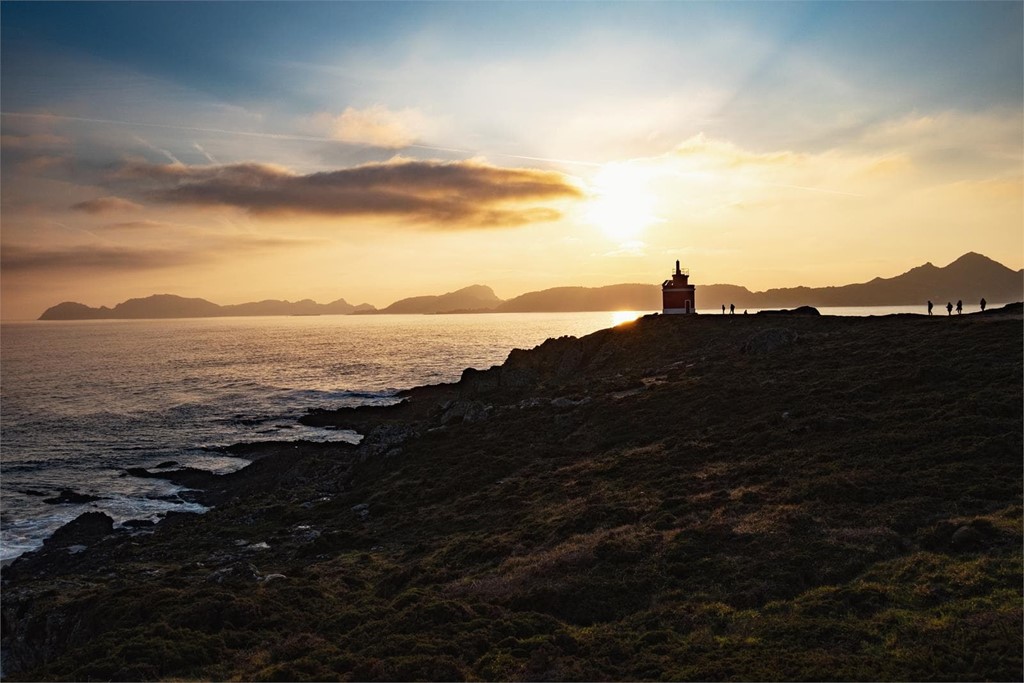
(209, 157)
(150, 145)
(282, 136)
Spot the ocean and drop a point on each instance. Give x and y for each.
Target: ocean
(82, 401)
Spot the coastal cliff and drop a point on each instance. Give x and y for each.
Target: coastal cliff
(682, 497)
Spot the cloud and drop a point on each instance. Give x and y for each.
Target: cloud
(91, 258)
(462, 194)
(376, 126)
(34, 153)
(103, 205)
(137, 225)
(96, 258)
(33, 141)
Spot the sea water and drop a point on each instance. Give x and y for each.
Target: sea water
(82, 401)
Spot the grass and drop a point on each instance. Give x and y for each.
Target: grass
(708, 514)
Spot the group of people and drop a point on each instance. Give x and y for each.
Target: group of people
(949, 306)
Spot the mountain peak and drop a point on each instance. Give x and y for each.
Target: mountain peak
(973, 257)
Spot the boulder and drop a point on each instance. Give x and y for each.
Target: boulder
(85, 529)
(139, 523)
(67, 496)
(475, 382)
(966, 538)
(799, 310)
(465, 411)
(383, 438)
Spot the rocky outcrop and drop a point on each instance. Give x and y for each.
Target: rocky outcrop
(69, 497)
(85, 529)
(799, 310)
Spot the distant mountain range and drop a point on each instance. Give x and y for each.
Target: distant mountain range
(468, 299)
(970, 277)
(171, 306)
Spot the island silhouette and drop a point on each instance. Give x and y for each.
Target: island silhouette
(968, 278)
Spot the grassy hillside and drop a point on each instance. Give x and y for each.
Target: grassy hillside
(682, 498)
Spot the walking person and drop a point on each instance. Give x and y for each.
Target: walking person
(732, 309)
(959, 306)
(930, 306)
(949, 308)
(983, 304)
(723, 309)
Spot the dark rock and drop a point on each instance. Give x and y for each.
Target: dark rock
(67, 496)
(139, 523)
(563, 402)
(465, 411)
(174, 518)
(31, 492)
(165, 464)
(475, 382)
(966, 538)
(517, 378)
(800, 310)
(569, 362)
(235, 572)
(767, 341)
(385, 437)
(186, 476)
(87, 528)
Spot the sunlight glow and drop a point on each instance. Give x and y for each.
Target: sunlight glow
(624, 204)
(620, 317)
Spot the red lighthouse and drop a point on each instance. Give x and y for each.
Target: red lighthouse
(677, 294)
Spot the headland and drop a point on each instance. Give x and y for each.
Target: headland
(679, 498)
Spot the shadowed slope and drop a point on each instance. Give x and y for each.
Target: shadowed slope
(703, 497)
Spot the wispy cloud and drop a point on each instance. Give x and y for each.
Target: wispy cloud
(377, 126)
(463, 194)
(33, 141)
(201, 150)
(159, 150)
(91, 258)
(103, 205)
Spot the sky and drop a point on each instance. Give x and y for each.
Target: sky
(241, 151)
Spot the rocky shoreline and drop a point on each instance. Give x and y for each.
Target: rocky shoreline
(702, 497)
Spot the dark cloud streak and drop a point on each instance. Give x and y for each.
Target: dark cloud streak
(102, 205)
(464, 194)
(92, 258)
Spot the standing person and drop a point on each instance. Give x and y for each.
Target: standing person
(930, 306)
(983, 303)
(732, 309)
(949, 308)
(723, 309)
(959, 306)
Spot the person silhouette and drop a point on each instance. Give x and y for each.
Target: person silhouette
(959, 306)
(732, 309)
(930, 306)
(949, 308)
(723, 309)
(983, 303)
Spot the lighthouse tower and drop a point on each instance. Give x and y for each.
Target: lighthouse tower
(677, 294)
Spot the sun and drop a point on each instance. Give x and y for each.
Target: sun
(623, 203)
